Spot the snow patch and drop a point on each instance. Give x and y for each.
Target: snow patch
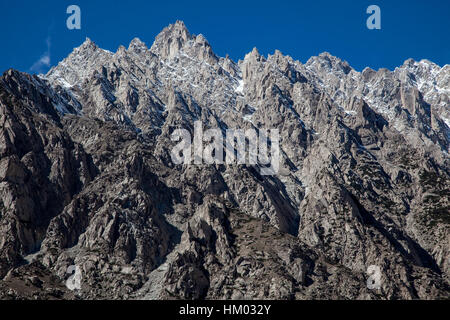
(64, 83)
(447, 121)
(240, 88)
(350, 112)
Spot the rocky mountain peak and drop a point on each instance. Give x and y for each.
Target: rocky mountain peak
(326, 61)
(85, 50)
(409, 62)
(201, 40)
(179, 27)
(171, 40)
(88, 44)
(280, 59)
(254, 55)
(137, 46)
(121, 50)
(79, 65)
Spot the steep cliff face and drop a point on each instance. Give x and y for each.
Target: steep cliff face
(86, 177)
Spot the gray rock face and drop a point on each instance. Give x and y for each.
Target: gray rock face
(86, 177)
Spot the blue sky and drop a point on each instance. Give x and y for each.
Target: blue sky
(34, 35)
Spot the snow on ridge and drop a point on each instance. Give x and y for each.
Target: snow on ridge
(240, 88)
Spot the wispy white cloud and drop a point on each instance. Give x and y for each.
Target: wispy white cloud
(44, 60)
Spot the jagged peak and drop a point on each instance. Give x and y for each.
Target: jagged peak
(121, 50)
(332, 62)
(137, 43)
(170, 40)
(368, 73)
(78, 65)
(426, 61)
(254, 54)
(423, 62)
(278, 53)
(327, 55)
(88, 44)
(176, 30)
(15, 75)
(409, 62)
(200, 39)
(324, 56)
(179, 24)
(87, 48)
(279, 56)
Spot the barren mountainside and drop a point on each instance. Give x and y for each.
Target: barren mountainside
(87, 180)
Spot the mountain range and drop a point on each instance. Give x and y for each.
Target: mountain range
(87, 180)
